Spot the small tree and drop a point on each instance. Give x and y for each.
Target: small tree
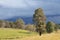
(20, 23)
(2, 23)
(7, 25)
(12, 24)
(50, 27)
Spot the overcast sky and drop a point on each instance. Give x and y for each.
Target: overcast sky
(11, 8)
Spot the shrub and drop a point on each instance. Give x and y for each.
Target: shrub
(50, 27)
(30, 27)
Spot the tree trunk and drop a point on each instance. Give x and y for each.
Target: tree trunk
(40, 33)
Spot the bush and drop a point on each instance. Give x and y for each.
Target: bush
(30, 27)
(56, 27)
(50, 27)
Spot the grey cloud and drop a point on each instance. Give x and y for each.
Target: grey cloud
(50, 7)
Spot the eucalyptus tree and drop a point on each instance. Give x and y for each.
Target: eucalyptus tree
(39, 20)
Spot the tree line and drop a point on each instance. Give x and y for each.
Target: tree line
(18, 24)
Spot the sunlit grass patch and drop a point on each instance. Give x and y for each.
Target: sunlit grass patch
(7, 33)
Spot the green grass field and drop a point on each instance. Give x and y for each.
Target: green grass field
(18, 34)
(10, 34)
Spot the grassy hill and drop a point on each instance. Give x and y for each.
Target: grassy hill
(18, 34)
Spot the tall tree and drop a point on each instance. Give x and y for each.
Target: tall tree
(39, 20)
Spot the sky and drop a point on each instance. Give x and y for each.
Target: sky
(11, 8)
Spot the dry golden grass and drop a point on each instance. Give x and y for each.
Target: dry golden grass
(52, 36)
